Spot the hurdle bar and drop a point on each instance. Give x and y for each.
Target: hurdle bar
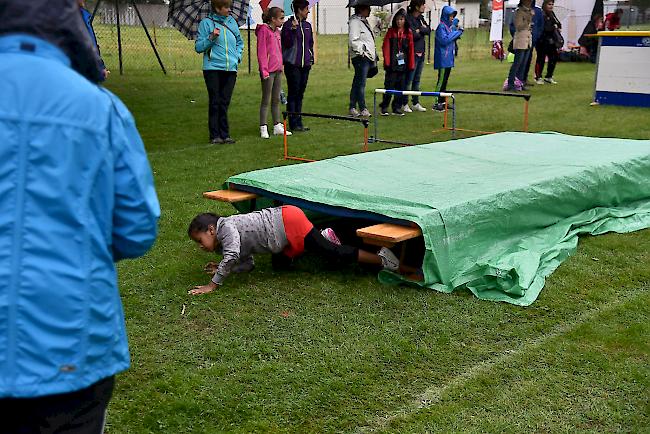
(446, 95)
(285, 114)
(525, 96)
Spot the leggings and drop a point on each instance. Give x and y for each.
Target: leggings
(441, 85)
(317, 243)
(271, 88)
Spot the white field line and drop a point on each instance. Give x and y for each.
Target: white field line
(434, 394)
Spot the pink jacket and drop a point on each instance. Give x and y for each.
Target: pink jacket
(269, 49)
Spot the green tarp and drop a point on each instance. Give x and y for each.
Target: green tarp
(498, 213)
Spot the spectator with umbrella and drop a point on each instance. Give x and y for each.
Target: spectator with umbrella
(221, 44)
(297, 56)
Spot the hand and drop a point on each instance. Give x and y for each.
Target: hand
(294, 23)
(215, 33)
(106, 73)
(203, 289)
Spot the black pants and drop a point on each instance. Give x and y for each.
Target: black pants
(80, 412)
(318, 244)
(395, 80)
(441, 85)
(220, 85)
(544, 50)
(296, 84)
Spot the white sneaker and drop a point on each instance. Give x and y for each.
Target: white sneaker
(407, 109)
(278, 130)
(354, 112)
(539, 80)
(419, 108)
(365, 113)
(264, 131)
(388, 259)
(550, 80)
(329, 235)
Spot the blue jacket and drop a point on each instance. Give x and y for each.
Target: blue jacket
(76, 195)
(537, 28)
(224, 52)
(443, 53)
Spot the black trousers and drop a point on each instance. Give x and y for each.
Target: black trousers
(441, 85)
(544, 50)
(81, 411)
(318, 244)
(220, 85)
(395, 80)
(297, 78)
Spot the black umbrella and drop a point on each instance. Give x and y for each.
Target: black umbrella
(186, 15)
(353, 3)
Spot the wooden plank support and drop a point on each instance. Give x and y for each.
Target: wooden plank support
(229, 196)
(387, 234)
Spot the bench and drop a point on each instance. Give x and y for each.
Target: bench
(232, 196)
(387, 234)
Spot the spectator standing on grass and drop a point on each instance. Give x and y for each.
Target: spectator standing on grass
(76, 195)
(522, 42)
(221, 44)
(269, 59)
(588, 42)
(420, 29)
(443, 53)
(298, 57)
(88, 20)
(613, 20)
(363, 55)
(536, 30)
(399, 60)
(547, 46)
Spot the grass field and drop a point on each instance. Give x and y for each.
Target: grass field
(315, 350)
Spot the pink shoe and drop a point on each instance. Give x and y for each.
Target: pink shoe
(329, 235)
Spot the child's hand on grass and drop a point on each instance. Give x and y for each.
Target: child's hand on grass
(203, 289)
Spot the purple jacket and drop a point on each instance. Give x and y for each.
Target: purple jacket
(297, 44)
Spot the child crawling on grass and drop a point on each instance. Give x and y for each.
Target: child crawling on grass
(285, 232)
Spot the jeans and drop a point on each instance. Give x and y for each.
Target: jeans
(518, 67)
(271, 88)
(358, 91)
(413, 81)
(296, 84)
(220, 85)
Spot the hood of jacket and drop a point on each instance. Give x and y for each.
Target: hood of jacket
(265, 28)
(447, 15)
(58, 22)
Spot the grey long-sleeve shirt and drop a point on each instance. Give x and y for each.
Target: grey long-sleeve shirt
(241, 235)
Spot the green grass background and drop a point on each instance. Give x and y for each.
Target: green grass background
(316, 350)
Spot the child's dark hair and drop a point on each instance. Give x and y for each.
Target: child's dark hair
(299, 4)
(400, 13)
(201, 222)
(270, 13)
(415, 4)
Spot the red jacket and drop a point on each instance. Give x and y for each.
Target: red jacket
(392, 44)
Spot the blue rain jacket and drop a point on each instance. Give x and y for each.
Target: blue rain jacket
(224, 52)
(443, 53)
(76, 195)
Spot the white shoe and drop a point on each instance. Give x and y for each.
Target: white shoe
(264, 131)
(419, 108)
(354, 112)
(365, 113)
(407, 109)
(539, 80)
(278, 130)
(388, 259)
(550, 80)
(328, 234)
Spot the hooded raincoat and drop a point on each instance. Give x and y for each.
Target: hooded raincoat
(443, 53)
(76, 195)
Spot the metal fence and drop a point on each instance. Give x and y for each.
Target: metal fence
(177, 53)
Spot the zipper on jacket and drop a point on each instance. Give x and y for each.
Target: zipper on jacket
(225, 38)
(302, 61)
